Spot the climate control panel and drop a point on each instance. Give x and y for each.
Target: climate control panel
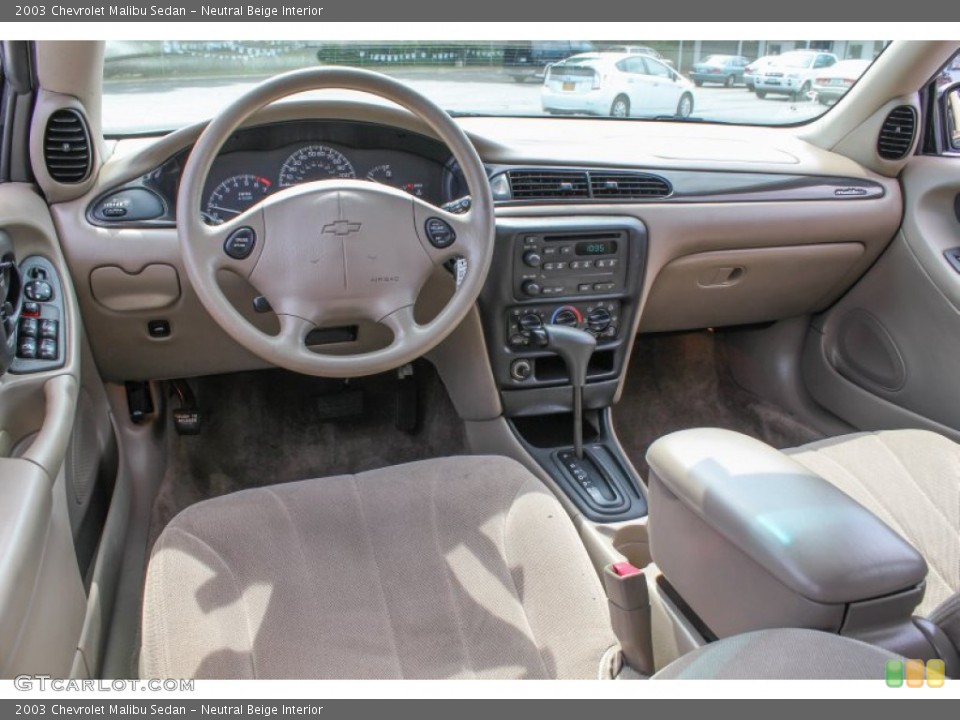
(601, 318)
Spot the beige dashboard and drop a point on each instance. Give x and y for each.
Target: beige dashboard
(711, 260)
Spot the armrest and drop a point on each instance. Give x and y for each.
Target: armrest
(811, 537)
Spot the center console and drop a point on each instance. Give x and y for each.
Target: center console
(584, 273)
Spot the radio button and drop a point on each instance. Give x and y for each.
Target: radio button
(604, 286)
(584, 287)
(549, 251)
(566, 250)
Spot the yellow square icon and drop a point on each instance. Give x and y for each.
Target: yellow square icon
(914, 673)
(935, 673)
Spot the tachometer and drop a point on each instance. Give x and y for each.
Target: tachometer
(234, 195)
(315, 162)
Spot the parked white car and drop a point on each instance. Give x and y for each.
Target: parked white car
(618, 85)
(751, 71)
(792, 73)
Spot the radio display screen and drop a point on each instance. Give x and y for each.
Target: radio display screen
(597, 247)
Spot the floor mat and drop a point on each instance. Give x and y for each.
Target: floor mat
(267, 427)
(681, 380)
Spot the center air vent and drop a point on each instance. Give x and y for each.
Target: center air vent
(541, 184)
(896, 135)
(586, 185)
(66, 147)
(628, 185)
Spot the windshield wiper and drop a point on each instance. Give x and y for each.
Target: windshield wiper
(675, 118)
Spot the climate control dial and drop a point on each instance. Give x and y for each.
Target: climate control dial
(567, 315)
(599, 319)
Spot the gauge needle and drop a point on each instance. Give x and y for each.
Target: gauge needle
(223, 209)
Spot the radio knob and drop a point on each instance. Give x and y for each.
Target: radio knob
(599, 319)
(531, 287)
(532, 258)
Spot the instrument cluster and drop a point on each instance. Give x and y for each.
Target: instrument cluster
(239, 180)
(261, 160)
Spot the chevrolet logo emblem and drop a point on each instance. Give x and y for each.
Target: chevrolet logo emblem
(340, 228)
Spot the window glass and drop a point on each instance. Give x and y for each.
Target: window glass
(183, 82)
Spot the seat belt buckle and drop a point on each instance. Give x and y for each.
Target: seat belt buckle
(629, 601)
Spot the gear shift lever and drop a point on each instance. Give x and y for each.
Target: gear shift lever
(575, 347)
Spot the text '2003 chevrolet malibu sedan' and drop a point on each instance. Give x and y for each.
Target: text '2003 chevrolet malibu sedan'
(347, 361)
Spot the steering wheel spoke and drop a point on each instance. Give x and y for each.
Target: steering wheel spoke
(235, 245)
(402, 323)
(294, 329)
(445, 235)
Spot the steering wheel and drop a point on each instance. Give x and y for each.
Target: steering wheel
(335, 252)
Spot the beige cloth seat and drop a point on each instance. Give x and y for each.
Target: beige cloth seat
(453, 568)
(911, 480)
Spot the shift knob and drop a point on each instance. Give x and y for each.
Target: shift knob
(574, 346)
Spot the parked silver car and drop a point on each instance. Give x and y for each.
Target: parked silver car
(618, 85)
(833, 83)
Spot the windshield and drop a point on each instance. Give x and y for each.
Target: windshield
(186, 82)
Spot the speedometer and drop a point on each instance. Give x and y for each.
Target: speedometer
(315, 162)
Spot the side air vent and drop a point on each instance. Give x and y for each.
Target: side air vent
(542, 184)
(628, 186)
(896, 135)
(66, 147)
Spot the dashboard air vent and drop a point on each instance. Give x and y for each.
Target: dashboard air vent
(540, 184)
(896, 135)
(628, 185)
(66, 147)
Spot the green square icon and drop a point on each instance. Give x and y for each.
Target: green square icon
(894, 673)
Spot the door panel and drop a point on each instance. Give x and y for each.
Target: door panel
(42, 596)
(888, 354)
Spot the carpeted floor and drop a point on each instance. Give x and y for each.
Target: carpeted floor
(267, 427)
(681, 380)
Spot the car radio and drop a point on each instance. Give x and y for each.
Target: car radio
(557, 265)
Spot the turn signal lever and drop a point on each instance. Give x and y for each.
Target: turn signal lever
(575, 347)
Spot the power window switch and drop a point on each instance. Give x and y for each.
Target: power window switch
(48, 349)
(27, 348)
(29, 327)
(49, 328)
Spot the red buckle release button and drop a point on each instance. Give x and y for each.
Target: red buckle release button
(625, 569)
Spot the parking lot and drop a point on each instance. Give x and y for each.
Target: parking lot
(163, 104)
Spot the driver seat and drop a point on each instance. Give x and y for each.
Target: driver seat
(462, 567)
